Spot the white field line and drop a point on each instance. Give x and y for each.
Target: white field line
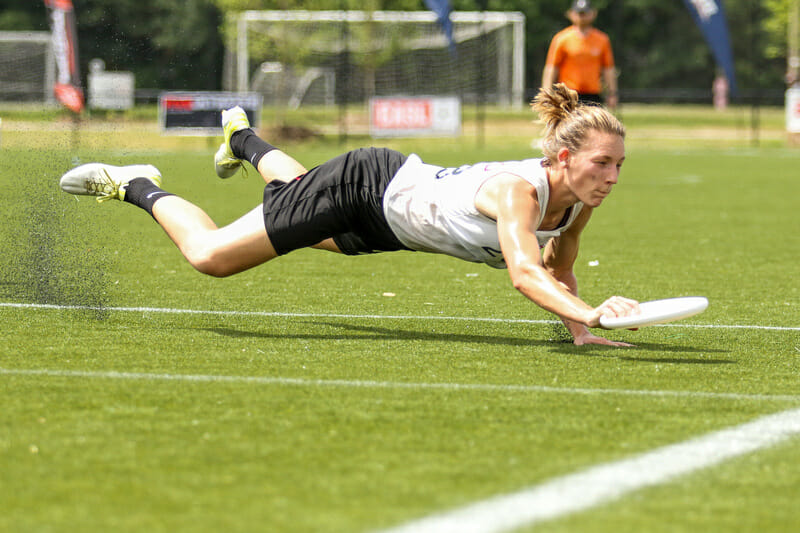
(164, 310)
(347, 383)
(604, 483)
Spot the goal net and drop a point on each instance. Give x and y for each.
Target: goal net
(298, 58)
(27, 67)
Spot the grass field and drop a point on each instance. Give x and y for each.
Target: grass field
(138, 395)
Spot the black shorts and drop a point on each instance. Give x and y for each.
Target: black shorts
(342, 199)
(590, 98)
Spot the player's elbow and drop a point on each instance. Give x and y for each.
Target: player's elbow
(523, 277)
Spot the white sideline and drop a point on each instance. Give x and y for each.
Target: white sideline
(164, 310)
(607, 482)
(305, 382)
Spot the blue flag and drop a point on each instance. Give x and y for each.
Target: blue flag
(710, 17)
(442, 9)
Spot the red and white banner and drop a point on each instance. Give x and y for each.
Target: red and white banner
(415, 116)
(67, 88)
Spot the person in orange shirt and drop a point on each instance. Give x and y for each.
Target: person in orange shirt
(579, 55)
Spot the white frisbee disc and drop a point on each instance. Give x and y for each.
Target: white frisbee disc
(658, 312)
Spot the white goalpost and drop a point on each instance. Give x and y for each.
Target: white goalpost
(297, 58)
(27, 67)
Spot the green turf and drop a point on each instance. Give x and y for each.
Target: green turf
(330, 439)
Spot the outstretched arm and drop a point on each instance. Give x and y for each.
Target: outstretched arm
(517, 220)
(559, 258)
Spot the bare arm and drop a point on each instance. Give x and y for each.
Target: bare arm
(610, 79)
(517, 218)
(559, 258)
(549, 76)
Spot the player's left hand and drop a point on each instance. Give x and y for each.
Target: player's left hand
(588, 338)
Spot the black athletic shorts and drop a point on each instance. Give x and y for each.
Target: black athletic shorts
(590, 98)
(342, 199)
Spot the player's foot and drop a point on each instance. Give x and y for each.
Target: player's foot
(107, 182)
(225, 163)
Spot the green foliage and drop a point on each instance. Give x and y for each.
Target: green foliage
(368, 5)
(169, 45)
(775, 27)
(17, 19)
(177, 44)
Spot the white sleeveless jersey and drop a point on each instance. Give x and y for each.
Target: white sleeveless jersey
(432, 209)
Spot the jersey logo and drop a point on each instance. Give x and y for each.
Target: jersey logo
(445, 172)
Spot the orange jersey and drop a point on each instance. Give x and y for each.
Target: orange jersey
(580, 59)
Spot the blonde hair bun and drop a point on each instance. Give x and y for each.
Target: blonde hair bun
(568, 121)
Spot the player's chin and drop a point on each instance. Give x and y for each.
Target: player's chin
(597, 200)
(593, 203)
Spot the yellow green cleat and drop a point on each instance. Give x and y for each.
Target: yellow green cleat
(225, 163)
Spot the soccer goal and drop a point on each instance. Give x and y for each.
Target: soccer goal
(297, 58)
(27, 66)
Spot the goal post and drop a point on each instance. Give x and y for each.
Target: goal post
(27, 66)
(297, 58)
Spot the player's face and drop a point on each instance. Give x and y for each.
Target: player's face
(583, 19)
(593, 170)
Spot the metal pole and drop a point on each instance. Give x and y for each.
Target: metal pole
(242, 60)
(344, 95)
(481, 92)
(793, 44)
(755, 115)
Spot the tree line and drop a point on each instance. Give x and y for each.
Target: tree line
(178, 44)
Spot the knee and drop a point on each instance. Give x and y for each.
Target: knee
(207, 261)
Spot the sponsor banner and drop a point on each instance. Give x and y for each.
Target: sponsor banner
(111, 90)
(709, 15)
(198, 113)
(415, 116)
(67, 88)
(793, 110)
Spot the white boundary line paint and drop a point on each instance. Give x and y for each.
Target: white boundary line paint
(164, 310)
(604, 483)
(304, 382)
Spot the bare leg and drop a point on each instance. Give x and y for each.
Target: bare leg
(215, 251)
(277, 165)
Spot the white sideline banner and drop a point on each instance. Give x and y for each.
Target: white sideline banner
(111, 90)
(415, 116)
(793, 110)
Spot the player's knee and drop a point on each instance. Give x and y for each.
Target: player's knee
(207, 260)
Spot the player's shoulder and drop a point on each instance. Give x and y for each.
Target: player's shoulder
(600, 35)
(566, 33)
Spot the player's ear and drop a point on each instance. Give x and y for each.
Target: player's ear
(563, 155)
